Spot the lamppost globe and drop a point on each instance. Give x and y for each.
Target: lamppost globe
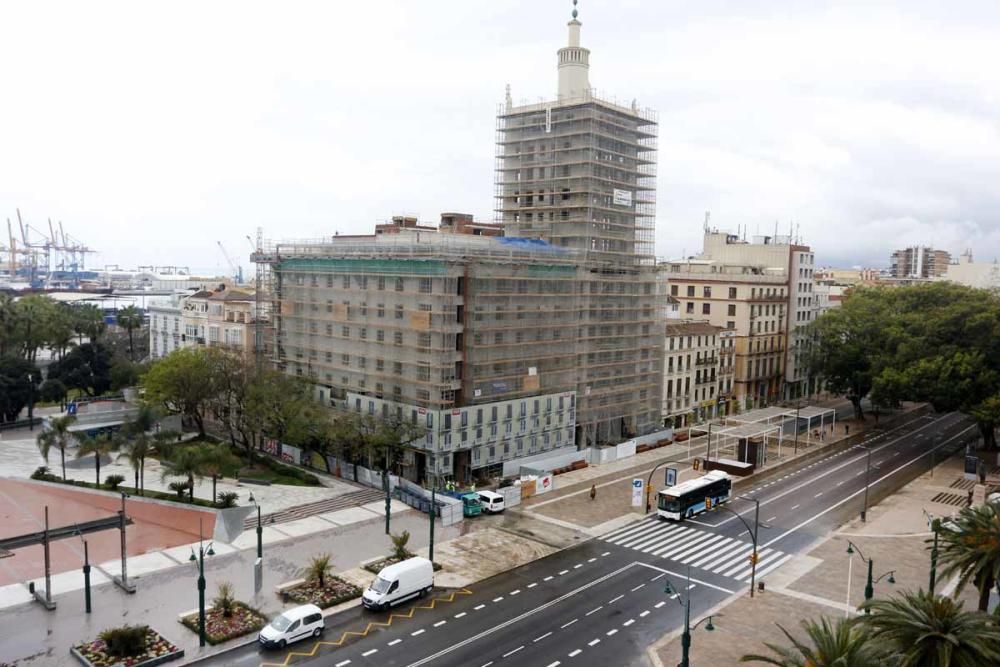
(211, 551)
(192, 557)
(892, 579)
(708, 626)
(850, 548)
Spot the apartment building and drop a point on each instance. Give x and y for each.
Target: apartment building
(471, 337)
(691, 373)
(919, 262)
(579, 172)
(751, 303)
(220, 318)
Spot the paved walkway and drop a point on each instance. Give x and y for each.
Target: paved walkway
(816, 583)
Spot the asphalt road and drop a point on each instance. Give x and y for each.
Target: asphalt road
(603, 602)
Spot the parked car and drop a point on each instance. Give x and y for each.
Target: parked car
(413, 577)
(293, 625)
(493, 503)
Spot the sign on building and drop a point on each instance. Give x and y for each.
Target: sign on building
(637, 493)
(622, 197)
(671, 477)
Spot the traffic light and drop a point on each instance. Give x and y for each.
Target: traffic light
(695, 464)
(708, 503)
(754, 558)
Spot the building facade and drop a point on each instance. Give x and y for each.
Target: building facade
(579, 172)
(691, 372)
(919, 262)
(223, 318)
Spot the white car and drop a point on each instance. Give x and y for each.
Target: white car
(293, 625)
(397, 583)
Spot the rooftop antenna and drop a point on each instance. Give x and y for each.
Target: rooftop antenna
(708, 215)
(574, 10)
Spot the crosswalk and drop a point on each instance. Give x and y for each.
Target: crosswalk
(683, 544)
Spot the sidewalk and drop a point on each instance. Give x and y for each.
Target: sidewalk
(816, 583)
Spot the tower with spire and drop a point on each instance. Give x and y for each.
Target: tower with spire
(579, 171)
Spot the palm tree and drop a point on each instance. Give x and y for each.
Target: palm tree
(88, 320)
(136, 450)
(57, 434)
(130, 319)
(970, 547)
(8, 323)
(100, 445)
(838, 643)
(319, 569)
(215, 460)
(184, 462)
(927, 630)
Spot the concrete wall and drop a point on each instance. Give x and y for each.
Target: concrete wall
(557, 458)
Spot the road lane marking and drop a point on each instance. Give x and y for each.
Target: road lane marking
(498, 599)
(439, 624)
(394, 642)
(771, 519)
(342, 663)
(594, 643)
(417, 632)
(606, 553)
(591, 560)
(460, 615)
(795, 507)
(538, 639)
(636, 588)
(646, 613)
(512, 652)
(612, 601)
(563, 627)
(548, 578)
(877, 481)
(554, 664)
(818, 494)
(478, 608)
(692, 586)
(612, 631)
(840, 483)
(368, 653)
(578, 566)
(593, 611)
(659, 576)
(515, 592)
(575, 653)
(500, 626)
(628, 622)
(563, 572)
(532, 585)
(488, 664)
(681, 576)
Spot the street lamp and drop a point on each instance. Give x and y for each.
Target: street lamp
(868, 472)
(870, 584)
(753, 533)
(935, 525)
(260, 529)
(669, 589)
(200, 559)
(31, 401)
(649, 480)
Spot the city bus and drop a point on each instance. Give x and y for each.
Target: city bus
(688, 498)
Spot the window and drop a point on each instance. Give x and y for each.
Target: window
(673, 290)
(425, 285)
(380, 308)
(381, 282)
(690, 307)
(400, 284)
(731, 310)
(399, 312)
(706, 292)
(397, 338)
(380, 335)
(706, 309)
(345, 359)
(397, 368)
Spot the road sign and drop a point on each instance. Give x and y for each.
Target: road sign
(671, 476)
(696, 464)
(971, 466)
(637, 485)
(71, 408)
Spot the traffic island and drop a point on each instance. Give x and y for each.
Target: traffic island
(328, 593)
(129, 646)
(220, 627)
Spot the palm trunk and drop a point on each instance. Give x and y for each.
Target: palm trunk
(214, 495)
(142, 476)
(136, 489)
(97, 466)
(191, 488)
(984, 593)
(62, 454)
(131, 351)
(988, 433)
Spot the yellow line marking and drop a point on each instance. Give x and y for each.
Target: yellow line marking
(364, 633)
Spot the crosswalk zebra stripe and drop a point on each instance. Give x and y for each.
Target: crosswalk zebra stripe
(691, 553)
(739, 566)
(636, 542)
(714, 557)
(671, 544)
(778, 563)
(661, 538)
(620, 539)
(763, 560)
(679, 548)
(729, 562)
(632, 527)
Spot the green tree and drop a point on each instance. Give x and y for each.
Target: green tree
(99, 445)
(56, 434)
(17, 376)
(86, 367)
(927, 630)
(216, 459)
(88, 320)
(136, 451)
(319, 569)
(53, 391)
(185, 382)
(59, 333)
(836, 643)
(184, 462)
(9, 343)
(35, 314)
(970, 547)
(130, 319)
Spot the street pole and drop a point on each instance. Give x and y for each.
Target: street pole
(86, 577)
(649, 480)
(124, 560)
(201, 596)
(48, 563)
(756, 529)
(935, 526)
(260, 535)
(869, 587)
(686, 637)
(31, 401)
(430, 549)
(385, 482)
(798, 406)
(868, 472)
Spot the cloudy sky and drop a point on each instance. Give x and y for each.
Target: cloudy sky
(154, 132)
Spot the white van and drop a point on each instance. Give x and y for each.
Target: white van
(410, 578)
(293, 625)
(493, 503)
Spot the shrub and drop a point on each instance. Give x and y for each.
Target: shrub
(180, 488)
(399, 543)
(320, 568)
(42, 473)
(113, 481)
(227, 498)
(125, 641)
(224, 600)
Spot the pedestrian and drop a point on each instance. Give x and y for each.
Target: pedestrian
(847, 429)
(968, 502)
(593, 491)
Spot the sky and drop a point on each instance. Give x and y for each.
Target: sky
(153, 132)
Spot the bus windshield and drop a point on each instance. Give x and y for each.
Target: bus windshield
(670, 503)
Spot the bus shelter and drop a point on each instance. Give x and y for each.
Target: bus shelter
(747, 442)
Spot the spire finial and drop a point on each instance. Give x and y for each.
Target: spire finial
(574, 10)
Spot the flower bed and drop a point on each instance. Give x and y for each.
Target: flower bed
(218, 628)
(157, 651)
(378, 565)
(334, 591)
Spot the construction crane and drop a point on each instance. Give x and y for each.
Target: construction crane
(236, 269)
